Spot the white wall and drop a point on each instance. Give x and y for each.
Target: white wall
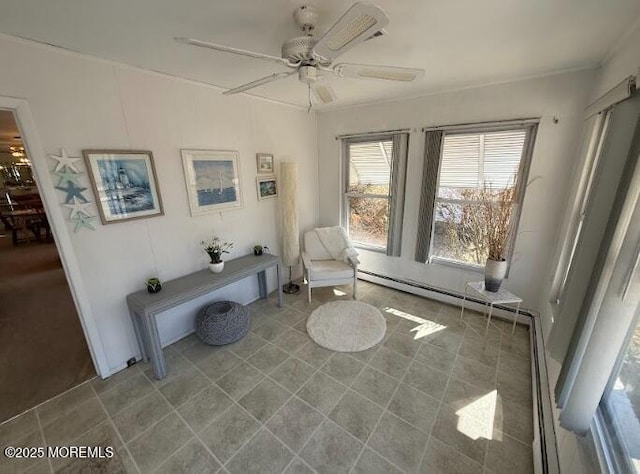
(577, 454)
(79, 102)
(622, 62)
(561, 96)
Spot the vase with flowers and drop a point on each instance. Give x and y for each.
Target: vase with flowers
(215, 248)
(498, 217)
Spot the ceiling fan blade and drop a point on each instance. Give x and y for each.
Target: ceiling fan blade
(359, 23)
(323, 91)
(241, 52)
(388, 73)
(265, 80)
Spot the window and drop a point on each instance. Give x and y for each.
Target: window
(578, 213)
(621, 406)
(464, 170)
(374, 190)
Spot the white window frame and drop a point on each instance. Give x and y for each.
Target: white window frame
(396, 195)
(530, 126)
(614, 456)
(580, 205)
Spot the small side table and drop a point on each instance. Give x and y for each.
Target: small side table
(490, 298)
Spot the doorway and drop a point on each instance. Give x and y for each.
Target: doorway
(42, 344)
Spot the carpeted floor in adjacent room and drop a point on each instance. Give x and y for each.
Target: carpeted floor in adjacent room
(42, 347)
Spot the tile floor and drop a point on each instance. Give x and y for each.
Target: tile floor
(434, 397)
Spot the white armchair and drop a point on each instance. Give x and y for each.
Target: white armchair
(320, 269)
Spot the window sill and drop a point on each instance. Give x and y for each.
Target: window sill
(370, 248)
(468, 267)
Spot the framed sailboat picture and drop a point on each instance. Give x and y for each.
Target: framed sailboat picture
(213, 180)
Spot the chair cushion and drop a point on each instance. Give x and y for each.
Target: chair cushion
(314, 247)
(329, 270)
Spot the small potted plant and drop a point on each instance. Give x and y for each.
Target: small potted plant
(153, 285)
(215, 248)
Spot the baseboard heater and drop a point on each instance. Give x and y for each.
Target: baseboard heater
(547, 461)
(443, 292)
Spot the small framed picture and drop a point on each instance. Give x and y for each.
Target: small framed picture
(213, 180)
(267, 187)
(264, 163)
(125, 184)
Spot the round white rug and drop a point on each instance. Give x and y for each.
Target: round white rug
(346, 326)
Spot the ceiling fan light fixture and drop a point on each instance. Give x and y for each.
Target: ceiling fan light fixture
(350, 32)
(307, 74)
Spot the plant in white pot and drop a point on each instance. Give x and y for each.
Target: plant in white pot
(215, 248)
(497, 216)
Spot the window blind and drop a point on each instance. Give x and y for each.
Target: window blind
(471, 159)
(370, 162)
(375, 169)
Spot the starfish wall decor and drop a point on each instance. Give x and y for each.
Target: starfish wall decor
(68, 174)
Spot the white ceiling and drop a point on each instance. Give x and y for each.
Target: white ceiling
(460, 43)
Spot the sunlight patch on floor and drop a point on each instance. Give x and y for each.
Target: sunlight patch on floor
(424, 327)
(477, 419)
(338, 292)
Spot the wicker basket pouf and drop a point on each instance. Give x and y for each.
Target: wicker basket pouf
(222, 323)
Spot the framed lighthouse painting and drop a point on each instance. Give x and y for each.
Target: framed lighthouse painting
(125, 184)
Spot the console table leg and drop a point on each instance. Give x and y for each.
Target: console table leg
(262, 284)
(155, 347)
(139, 330)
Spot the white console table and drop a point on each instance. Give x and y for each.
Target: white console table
(490, 298)
(144, 306)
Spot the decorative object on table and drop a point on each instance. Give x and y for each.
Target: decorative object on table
(68, 182)
(125, 184)
(289, 208)
(346, 326)
(222, 323)
(264, 163)
(153, 285)
(260, 249)
(213, 180)
(497, 216)
(215, 248)
(267, 187)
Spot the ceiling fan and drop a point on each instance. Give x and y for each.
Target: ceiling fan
(312, 58)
